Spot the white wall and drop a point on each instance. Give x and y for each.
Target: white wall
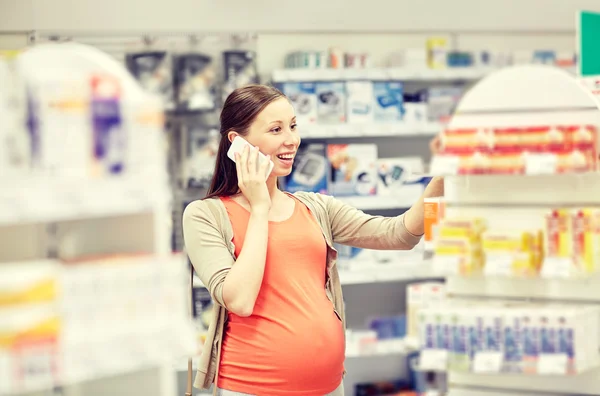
(293, 15)
(12, 41)
(374, 26)
(273, 47)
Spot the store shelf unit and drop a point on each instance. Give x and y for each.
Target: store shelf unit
(370, 130)
(404, 74)
(92, 301)
(519, 202)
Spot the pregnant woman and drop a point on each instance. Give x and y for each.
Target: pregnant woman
(268, 260)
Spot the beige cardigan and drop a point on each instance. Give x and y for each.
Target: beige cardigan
(208, 239)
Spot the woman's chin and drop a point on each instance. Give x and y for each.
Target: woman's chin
(281, 172)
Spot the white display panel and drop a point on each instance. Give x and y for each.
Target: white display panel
(523, 96)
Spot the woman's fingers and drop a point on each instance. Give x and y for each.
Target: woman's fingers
(264, 167)
(253, 161)
(238, 167)
(244, 160)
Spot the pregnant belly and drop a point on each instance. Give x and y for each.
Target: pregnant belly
(283, 354)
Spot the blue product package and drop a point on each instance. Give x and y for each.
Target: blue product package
(33, 127)
(346, 252)
(359, 101)
(565, 343)
(353, 169)
(513, 348)
(400, 326)
(108, 136)
(310, 169)
(331, 102)
(548, 343)
(384, 327)
(493, 334)
(303, 96)
(388, 101)
(531, 344)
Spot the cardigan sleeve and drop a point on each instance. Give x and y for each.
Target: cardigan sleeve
(351, 226)
(206, 247)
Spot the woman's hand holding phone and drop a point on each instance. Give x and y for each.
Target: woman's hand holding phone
(252, 179)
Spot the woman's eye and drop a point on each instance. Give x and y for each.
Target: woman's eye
(276, 130)
(294, 127)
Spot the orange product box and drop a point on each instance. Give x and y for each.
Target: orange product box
(465, 141)
(556, 139)
(474, 164)
(434, 213)
(536, 138)
(507, 139)
(575, 161)
(506, 163)
(582, 137)
(559, 233)
(586, 239)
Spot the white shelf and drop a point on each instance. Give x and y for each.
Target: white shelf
(584, 290)
(415, 268)
(583, 384)
(387, 347)
(95, 341)
(424, 74)
(370, 130)
(42, 199)
(510, 202)
(374, 202)
(371, 272)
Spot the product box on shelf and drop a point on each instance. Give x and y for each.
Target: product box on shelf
(349, 255)
(421, 295)
(14, 139)
(310, 171)
(353, 169)
(109, 134)
(303, 96)
(359, 102)
(388, 101)
(153, 70)
(572, 242)
(512, 253)
(239, 70)
(401, 178)
(437, 52)
(441, 102)
(434, 213)
(458, 247)
(567, 246)
(513, 337)
(201, 148)
(331, 102)
(194, 81)
(518, 150)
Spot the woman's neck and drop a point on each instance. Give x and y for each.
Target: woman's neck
(272, 186)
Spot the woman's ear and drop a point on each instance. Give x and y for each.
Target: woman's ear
(231, 135)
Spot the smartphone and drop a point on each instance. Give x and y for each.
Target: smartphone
(237, 146)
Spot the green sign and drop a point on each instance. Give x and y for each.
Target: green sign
(588, 31)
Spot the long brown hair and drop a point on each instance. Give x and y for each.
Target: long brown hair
(239, 112)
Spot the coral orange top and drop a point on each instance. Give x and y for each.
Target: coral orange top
(293, 343)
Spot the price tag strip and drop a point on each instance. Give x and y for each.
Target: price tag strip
(498, 265)
(552, 364)
(433, 359)
(446, 265)
(488, 362)
(445, 165)
(557, 267)
(540, 164)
